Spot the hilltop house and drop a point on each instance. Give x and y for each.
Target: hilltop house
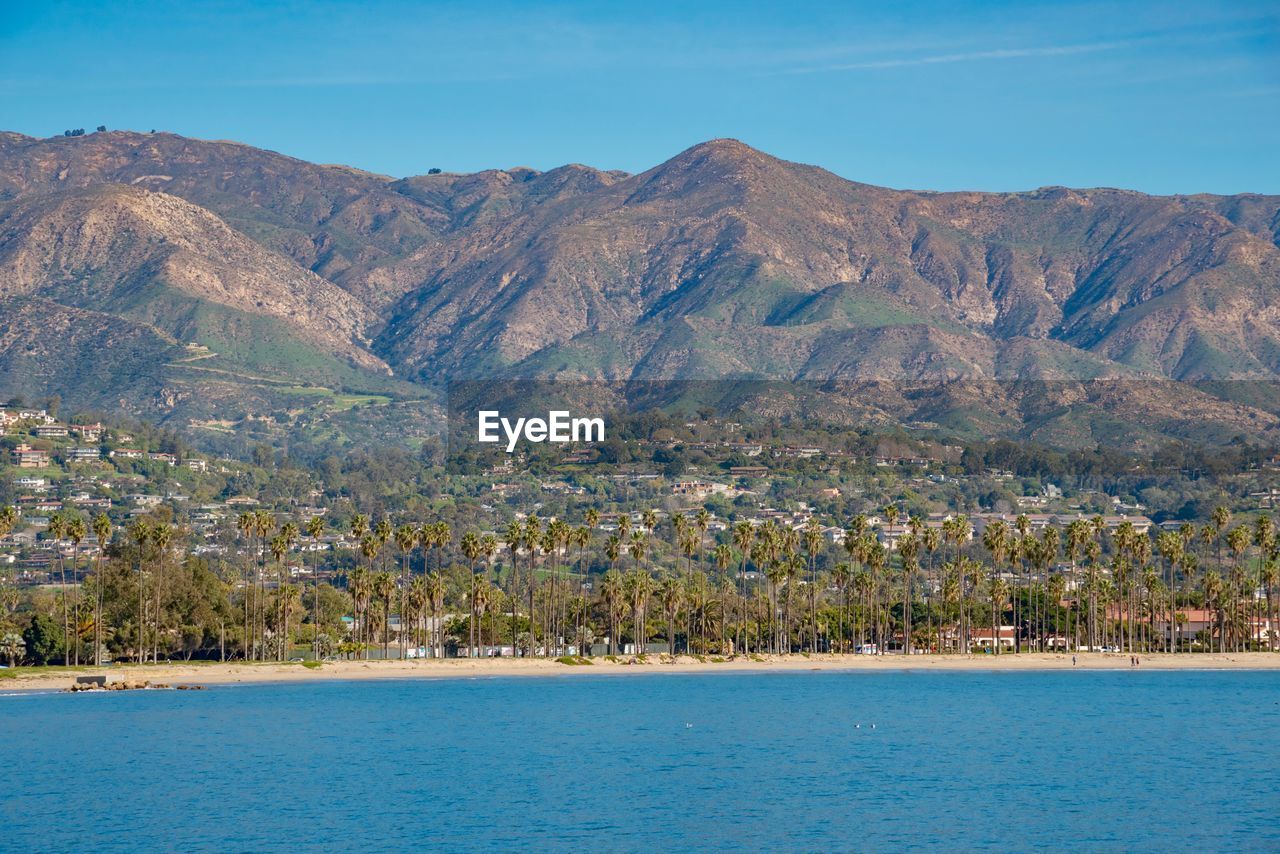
(37, 415)
(88, 432)
(51, 431)
(698, 488)
(27, 457)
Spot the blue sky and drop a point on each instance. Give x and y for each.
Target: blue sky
(1160, 97)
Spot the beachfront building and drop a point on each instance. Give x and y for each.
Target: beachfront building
(1192, 622)
(984, 637)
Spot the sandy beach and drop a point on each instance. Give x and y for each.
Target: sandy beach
(210, 674)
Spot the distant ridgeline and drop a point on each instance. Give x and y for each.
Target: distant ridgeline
(239, 296)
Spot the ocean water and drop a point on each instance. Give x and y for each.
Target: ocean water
(784, 761)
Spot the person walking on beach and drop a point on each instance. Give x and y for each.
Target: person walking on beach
(1073, 661)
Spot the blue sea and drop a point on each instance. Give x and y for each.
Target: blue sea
(786, 761)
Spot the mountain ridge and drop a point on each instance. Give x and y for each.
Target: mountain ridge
(722, 261)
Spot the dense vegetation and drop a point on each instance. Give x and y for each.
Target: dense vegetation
(555, 587)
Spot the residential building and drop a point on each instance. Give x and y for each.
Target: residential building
(27, 457)
(88, 432)
(983, 637)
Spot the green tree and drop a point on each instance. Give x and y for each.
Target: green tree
(43, 640)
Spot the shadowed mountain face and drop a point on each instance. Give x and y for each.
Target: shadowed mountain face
(722, 262)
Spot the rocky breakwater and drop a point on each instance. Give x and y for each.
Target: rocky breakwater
(100, 683)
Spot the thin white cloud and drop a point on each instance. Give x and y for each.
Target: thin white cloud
(972, 56)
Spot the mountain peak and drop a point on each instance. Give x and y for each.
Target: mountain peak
(725, 147)
(718, 166)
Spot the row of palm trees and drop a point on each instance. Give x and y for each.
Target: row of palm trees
(931, 573)
(760, 587)
(75, 528)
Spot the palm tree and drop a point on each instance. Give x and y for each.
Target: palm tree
(1219, 518)
(315, 530)
(638, 591)
(876, 559)
(932, 539)
(743, 535)
(671, 596)
(279, 548)
(613, 594)
(384, 589)
(417, 602)
(841, 576)
(776, 575)
(999, 593)
(1170, 547)
(435, 601)
(406, 538)
(358, 585)
(812, 543)
(369, 548)
(639, 585)
(140, 533)
(102, 532)
(1057, 590)
(290, 595)
(1212, 588)
(382, 532)
(246, 525)
(471, 551)
(56, 530)
(1271, 578)
(533, 540)
(909, 551)
(1238, 540)
(722, 555)
(12, 648)
(77, 530)
(514, 539)
(161, 536)
(1079, 534)
(359, 526)
(488, 548)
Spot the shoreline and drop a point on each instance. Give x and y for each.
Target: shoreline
(241, 673)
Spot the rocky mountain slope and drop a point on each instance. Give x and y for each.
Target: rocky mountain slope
(722, 262)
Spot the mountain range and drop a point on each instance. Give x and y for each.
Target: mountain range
(197, 282)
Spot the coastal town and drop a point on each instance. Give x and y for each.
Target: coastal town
(703, 537)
